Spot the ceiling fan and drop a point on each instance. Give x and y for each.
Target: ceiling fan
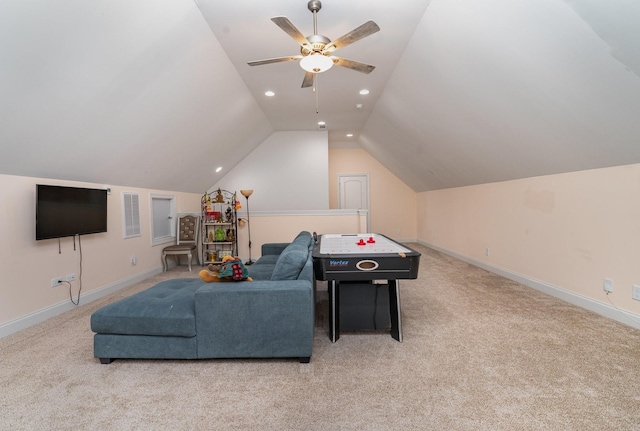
(316, 50)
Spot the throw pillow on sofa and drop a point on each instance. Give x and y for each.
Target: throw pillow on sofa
(304, 237)
(292, 259)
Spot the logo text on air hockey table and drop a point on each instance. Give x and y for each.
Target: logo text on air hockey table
(338, 263)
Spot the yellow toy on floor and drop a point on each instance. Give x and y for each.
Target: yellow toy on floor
(232, 269)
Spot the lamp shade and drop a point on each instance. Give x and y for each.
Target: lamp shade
(246, 193)
(316, 63)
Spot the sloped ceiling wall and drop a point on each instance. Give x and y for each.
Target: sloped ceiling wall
(141, 93)
(135, 93)
(497, 90)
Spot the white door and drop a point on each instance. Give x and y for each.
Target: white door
(353, 192)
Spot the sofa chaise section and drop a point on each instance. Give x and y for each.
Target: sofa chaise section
(270, 317)
(157, 323)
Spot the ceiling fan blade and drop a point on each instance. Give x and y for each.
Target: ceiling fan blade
(354, 35)
(274, 60)
(354, 65)
(308, 79)
(288, 27)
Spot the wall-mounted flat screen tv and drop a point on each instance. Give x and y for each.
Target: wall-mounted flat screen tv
(68, 211)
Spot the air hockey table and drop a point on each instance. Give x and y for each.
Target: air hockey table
(363, 262)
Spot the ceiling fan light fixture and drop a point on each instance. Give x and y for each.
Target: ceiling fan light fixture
(316, 63)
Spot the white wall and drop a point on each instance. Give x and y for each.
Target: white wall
(563, 234)
(284, 226)
(288, 171)
(27, 266)
(392, 203)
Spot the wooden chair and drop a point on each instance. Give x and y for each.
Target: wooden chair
(188, 226)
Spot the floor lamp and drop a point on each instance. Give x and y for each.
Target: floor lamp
(246, 194)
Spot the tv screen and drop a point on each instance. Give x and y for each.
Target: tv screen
(68, 211)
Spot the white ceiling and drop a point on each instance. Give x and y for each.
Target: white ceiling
(464, 91)
(246, 33)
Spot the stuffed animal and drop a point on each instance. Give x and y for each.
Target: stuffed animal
(232, 269)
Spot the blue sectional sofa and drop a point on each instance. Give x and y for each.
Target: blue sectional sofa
(270, 317)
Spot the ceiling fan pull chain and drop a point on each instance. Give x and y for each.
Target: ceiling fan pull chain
(315, 90)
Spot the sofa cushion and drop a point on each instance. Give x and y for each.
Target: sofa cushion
(165, 309)
(261, 270)
(269, 259)
(290, 262)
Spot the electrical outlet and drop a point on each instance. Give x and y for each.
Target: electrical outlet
(56, 281)
(635, 293)
(71, 277)
(607, 285)
(486, 251)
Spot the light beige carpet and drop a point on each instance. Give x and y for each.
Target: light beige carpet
(480, 353)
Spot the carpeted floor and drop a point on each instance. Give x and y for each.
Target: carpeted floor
(480, 353)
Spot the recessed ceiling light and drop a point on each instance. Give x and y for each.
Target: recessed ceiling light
(269, 93)
(349, 135)
(359, 106)
(321, 123)
(218, 169)
(364, 92)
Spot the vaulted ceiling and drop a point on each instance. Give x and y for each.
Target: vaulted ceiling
(158, 93)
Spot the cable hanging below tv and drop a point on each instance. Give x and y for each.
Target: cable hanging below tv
(63, 211)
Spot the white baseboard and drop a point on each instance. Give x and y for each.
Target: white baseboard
(625, 317)
(59, 308)
(405, 240)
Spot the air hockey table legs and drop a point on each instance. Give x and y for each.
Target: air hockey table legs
(394, 310)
